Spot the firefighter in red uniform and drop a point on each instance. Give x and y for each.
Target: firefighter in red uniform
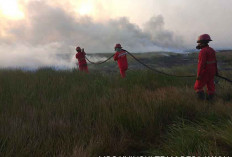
(80, 56)
(207, 68)
(120, 56)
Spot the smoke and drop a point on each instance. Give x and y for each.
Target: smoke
(155, 29)
(47, 36)
(96, 58)
(33, 57)
(190, 18)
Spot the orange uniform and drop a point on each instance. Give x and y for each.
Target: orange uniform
(122, 62)
(82, 61)
(207, 69)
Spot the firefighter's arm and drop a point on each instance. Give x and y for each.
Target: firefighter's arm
(201, 64)
(77, 56)
(116, 56)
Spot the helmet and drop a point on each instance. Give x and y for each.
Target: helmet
(204, 37)
(78, 48)
(118, 46)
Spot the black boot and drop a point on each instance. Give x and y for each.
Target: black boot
(210, 97)
(201, 95)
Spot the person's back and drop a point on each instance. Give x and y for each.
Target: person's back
(80, 56)
(121, 58)
(207, 59)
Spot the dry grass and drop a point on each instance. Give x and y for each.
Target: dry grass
(50, 113)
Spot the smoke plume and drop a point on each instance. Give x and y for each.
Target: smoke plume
(48, 35)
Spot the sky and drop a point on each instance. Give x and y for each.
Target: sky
(39, 33)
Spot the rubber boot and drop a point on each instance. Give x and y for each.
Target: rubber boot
(201, 95)
(210, 97)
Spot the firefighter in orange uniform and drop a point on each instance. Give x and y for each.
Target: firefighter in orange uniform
(80, 56)
(207, 68)
(120, 57)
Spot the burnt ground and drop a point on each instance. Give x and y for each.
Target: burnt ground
(163, 60)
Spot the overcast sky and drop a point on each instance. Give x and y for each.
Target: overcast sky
(40, 32)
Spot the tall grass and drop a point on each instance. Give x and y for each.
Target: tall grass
(67, 113)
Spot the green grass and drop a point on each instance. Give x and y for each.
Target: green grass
(67, 113)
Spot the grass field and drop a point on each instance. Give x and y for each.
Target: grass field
(68, 113)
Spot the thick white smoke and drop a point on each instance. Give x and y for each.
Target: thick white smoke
(33, 57)
(48, 36)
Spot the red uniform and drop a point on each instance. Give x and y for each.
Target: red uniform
(207, 69)
(82, 61)
(122, 62)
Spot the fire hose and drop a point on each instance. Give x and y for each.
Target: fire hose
(100, 62)
(157, 71)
